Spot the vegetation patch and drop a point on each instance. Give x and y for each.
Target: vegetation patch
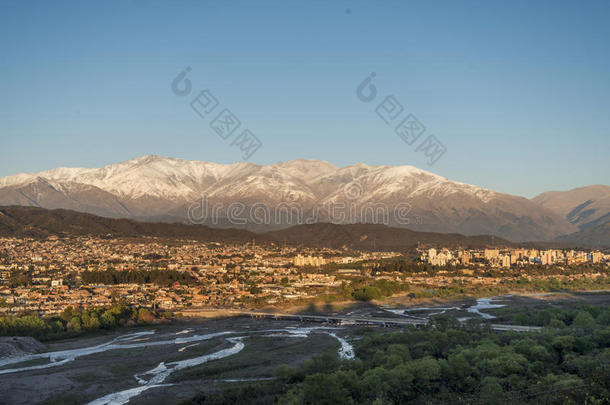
(260, 358)
(449, 362)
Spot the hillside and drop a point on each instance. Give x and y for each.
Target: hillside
(16, 221)
(372, 236)
(584, 206)
(34, 222)
(157, 188)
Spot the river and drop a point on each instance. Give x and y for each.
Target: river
(481, 304)
(157, 376)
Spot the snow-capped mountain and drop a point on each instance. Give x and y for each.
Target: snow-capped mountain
(298, 191)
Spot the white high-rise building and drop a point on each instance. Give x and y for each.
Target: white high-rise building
(300, 261)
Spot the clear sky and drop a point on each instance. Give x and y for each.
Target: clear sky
(517, 91)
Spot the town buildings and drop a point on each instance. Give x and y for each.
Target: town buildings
(52, 274)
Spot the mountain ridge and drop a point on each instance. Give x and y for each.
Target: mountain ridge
(155, 187)
(34, 222)
(585, 207)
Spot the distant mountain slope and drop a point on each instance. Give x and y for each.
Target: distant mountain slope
(159, 188)
(597, 235)
(371, 237)
(585, 206)
(16, 221)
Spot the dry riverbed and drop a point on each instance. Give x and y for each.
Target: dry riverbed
(164, 364)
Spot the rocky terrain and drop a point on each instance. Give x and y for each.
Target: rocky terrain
(18, 346)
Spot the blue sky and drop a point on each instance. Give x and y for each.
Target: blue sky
(518, 92)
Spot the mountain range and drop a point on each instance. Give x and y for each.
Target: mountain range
(33, 222)
(586, 207)
(276, 196)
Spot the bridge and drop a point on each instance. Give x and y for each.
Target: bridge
(359, 320)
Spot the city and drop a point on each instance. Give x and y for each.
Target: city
(304, 203)
(48, 276)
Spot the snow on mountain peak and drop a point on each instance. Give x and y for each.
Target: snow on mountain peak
(154, 186)
(178, 179)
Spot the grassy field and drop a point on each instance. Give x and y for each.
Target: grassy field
(260, 357)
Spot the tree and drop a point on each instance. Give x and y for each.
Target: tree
(491, 391)
(145, 316)
(91, 322)
(426, 371)
(324, 389)
(75, 324)
(67, 314)
(584, 321)
(108, 320)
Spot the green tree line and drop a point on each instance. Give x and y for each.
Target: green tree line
(72, 322)
(452, 363)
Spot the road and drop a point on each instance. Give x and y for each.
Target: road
(355, 320)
